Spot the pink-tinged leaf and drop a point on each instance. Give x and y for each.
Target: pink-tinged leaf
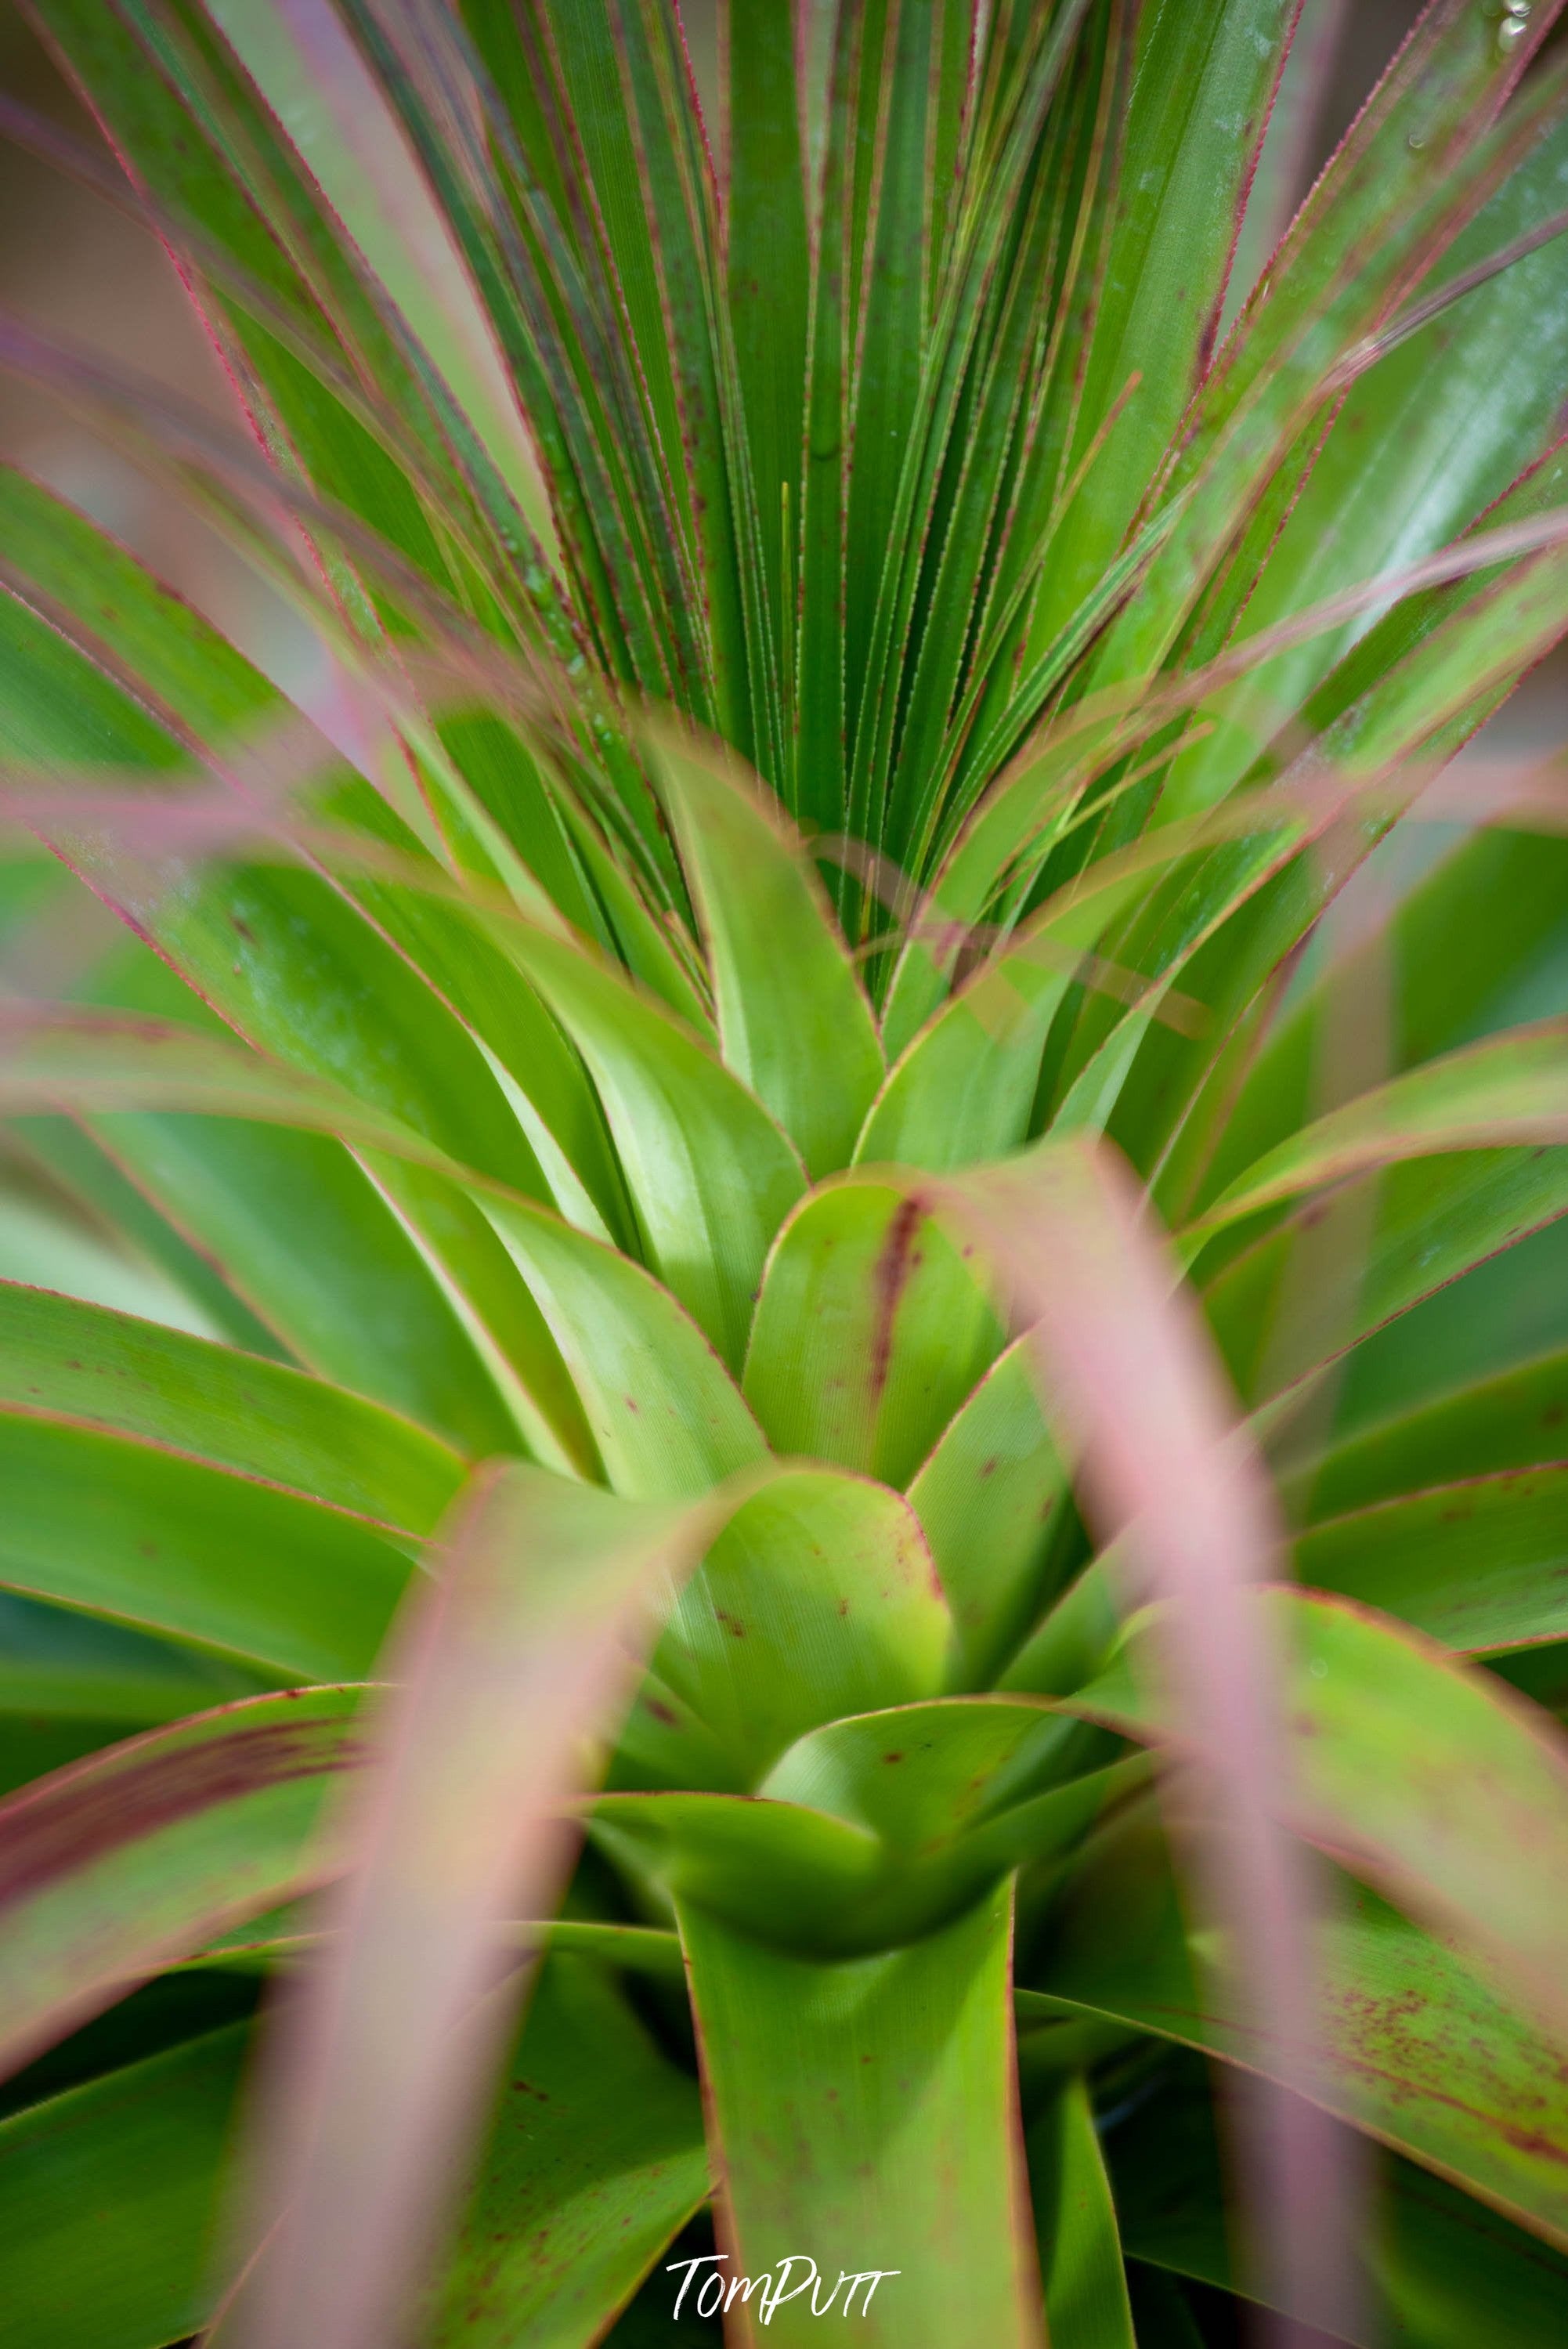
(1509, 1092)
(1415, 1771)
(1130, 1381)
(1421, 2054)
(120, 1865)
(317, 84)
(524, 1649)
(57, 1060)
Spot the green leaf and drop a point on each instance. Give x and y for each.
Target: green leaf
(1425, 443)
(989, 1497)
(521, 1648)
(1378, 217)
(769, 287)
(1075, 2219)
(193, 1293)
(1514, 1420)
(1508, 1090)
(964, 1089)
(143, 1535)
(870, 1330)
(82, 1363)
(794, 1021)
(992, 1780)
(141, 1854)
(318, 87)
(308, 1240)
(60, 1667)
(864, 2117)
(96, 1059)
(1434, 1219)
(710, 1174)
(1164, 2318)
(1167, 255)
(874, 1829)
(1411, 1769)
(668, 1418)
(1418, 2053)
(596, 2159)
(818, 1598)
(1441, 2269)
(1456, 950)
(109, 2199)
(1481, 1565)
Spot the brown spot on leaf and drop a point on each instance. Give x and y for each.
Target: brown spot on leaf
(96, 1810)
(889, 1280)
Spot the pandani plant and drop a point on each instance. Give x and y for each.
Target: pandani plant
(839, 1105)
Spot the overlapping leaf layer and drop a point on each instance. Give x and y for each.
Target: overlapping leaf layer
(857, 690)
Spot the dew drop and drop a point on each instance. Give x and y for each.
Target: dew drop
(1416, 141)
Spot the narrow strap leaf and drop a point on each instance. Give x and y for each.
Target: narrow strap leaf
(794, 1021)
(1075, 2218)
(116, 2184)
(596, 2159)
(1384, 1723)
(523, 1646)
(139, 1855)
(1478, 1565)
(1417, 2051)
(60, 1356)
(148, 1536)
(1508, 1090)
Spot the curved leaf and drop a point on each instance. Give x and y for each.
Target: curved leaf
(872, 1830)
(870, 1330)
(1514, 1420)
(82, 1363)
(596, 2159)
(109, 2196)
(710, 1174)
(818, 1598)
(304, 1235)
(523, 1648)
(1413, 1771)
(1416, 2049)
(989, 1497)
(139, 1855)
(1510, 1089)
(794, 1021)
(58, 1665)
(147, 1537)
(667, 1416)
(1443, 2269)
(1481, 1565)
(1076, 2220)
(1434, 1219)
